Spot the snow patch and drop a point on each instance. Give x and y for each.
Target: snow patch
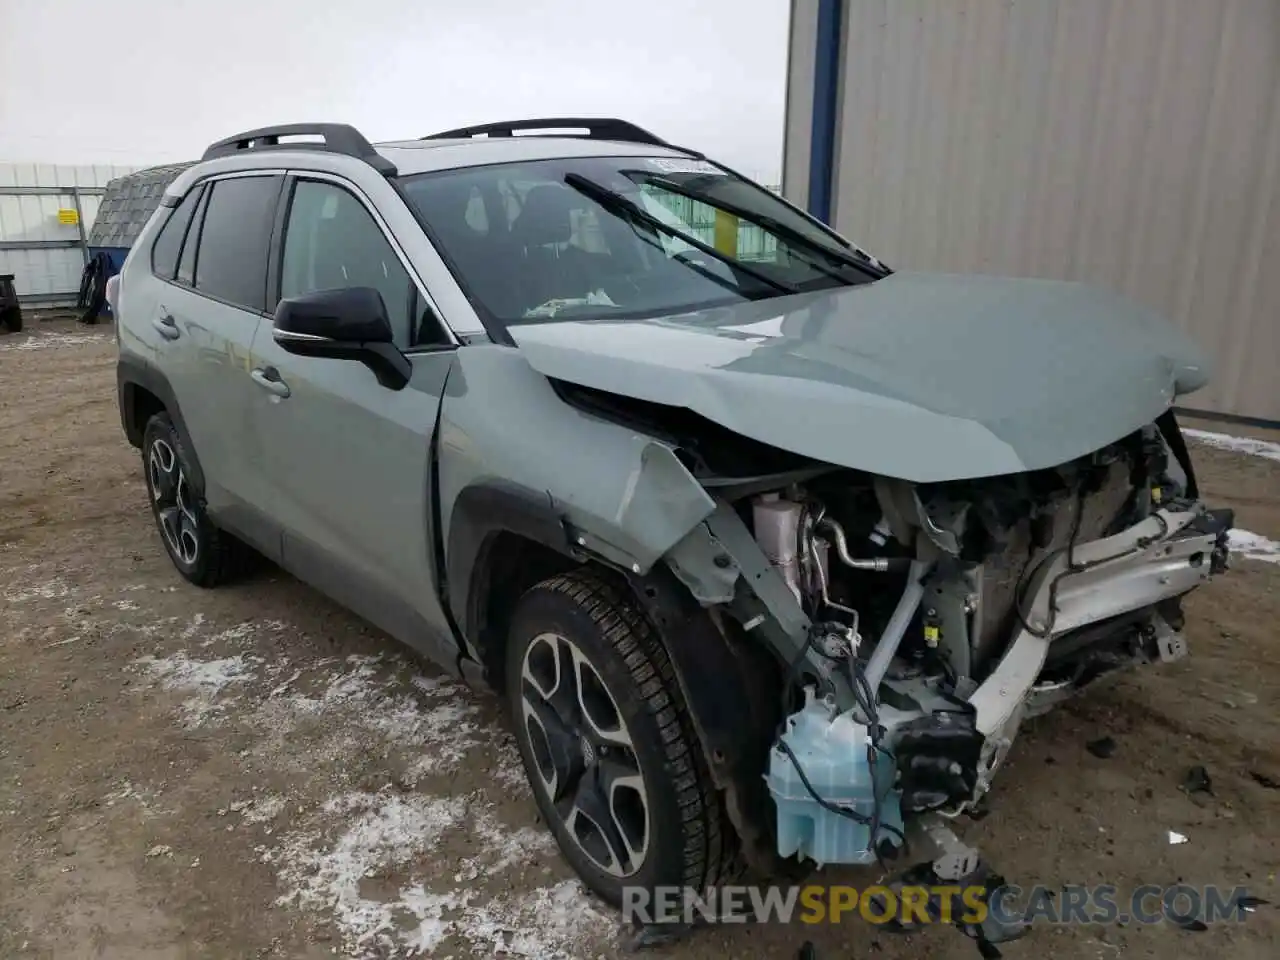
(261, 810)
(53, 589)
(1251, 546)
(1245, 445)
(128, 791)
(503, 847)
(381, 832)
(546, 923)
(389, 834)
(232, 635)
(1254, 546)
(204, 680)
(48, 339)
(405, 869)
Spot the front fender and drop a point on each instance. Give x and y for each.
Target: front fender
(513, 456)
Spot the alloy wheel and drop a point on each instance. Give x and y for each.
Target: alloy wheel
(584, 756)
(171, 499)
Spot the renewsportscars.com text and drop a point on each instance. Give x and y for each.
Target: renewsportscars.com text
(1010, 904)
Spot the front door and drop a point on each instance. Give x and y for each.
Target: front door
(348, 461)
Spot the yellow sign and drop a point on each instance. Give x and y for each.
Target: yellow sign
(726, 233)
(69, 217)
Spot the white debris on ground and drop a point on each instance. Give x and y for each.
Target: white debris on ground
(398, 870)
(50, 339)
(1245, 445)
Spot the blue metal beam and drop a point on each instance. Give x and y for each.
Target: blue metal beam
(826, 88)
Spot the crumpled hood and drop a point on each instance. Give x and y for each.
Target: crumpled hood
(923, 377)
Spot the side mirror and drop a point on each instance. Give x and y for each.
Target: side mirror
(346, 324)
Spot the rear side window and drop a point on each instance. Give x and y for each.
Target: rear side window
(168, 245)
(187, 262)
(235, 235)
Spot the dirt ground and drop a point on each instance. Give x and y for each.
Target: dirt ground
(252, 772)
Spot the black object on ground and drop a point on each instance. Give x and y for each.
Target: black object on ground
(979, 810)
(10, 309)
(1197, 780)
(1190, 924)
(986, 935)
(807, 951)
(93, 288)
(1102, 748)
(1262, 780)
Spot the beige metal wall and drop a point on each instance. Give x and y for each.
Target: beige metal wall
(1130, 143)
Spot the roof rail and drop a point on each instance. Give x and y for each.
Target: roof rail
(338, 138)
(597, 128)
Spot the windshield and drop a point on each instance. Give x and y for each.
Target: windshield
(618, 237)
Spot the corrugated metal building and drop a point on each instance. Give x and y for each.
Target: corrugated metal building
(1133, 144)
(45, 255)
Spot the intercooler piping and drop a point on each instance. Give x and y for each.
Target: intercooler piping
(876, 564)
(896, 629)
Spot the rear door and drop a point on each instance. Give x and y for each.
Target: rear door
(348, 461)
(208, 314)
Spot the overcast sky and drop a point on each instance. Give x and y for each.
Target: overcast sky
(145, 81)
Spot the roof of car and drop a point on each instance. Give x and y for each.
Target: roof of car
(506, 141)
(422, 156)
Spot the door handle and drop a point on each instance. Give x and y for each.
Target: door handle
(167, 326)
(269, 379)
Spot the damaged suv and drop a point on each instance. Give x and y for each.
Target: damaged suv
(769, 549)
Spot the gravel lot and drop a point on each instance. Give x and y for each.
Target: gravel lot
(252, 772)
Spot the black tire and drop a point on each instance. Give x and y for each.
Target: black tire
(689, 842)
(202, 553)
(11, 319)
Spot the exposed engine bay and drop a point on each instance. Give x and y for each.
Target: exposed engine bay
(952, 611)
(913, 625)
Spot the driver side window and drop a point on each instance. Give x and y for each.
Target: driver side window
(331, 242)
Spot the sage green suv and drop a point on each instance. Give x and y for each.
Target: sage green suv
(769, 548)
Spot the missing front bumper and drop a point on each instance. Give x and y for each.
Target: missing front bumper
(1163, 557)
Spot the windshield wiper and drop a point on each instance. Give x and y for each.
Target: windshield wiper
(875, 269)
(619, 205)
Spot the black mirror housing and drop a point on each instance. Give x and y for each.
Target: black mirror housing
(348, 315)
(346, 324)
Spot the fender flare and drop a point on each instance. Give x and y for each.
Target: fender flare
(133, 373)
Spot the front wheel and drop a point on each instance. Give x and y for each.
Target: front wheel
(615, 767)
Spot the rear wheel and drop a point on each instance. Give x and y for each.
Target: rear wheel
(203, 554)
(615, 767)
